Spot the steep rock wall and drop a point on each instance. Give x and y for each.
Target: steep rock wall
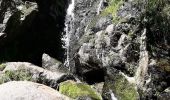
(124, 40)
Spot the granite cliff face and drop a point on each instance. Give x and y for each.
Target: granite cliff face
(123, 43)
(120, 47)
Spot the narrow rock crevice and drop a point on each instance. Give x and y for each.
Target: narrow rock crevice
(94, 76)
(40, 32)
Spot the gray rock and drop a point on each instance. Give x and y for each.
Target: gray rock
(129, 11)
(84, 13)
(11, 7)
(13, 66)
(37, 74)
(24, 90)
(48, 61)
(99, 87)
(110, 29)
(102, 23)
(165, 95)
(53, 64)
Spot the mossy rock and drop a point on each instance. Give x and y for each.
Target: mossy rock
(20, 75)
(75, 90)
(112, 9)
(122, 89)
(2, 67)
(164, 65)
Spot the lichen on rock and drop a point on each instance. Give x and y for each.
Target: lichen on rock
(75, 90)
(122, 89)
(20, 75)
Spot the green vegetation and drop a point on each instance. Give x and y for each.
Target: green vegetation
(125, 90)
(122, 89)
(152, 5)
(156, 19)
(112, 9)
(2, 67)
(75, 90)
(20, 75)
(93, 23)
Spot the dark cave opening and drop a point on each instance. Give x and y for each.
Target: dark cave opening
(94, 76)
(39, 33)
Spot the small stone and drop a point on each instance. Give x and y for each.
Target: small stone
(110, 29)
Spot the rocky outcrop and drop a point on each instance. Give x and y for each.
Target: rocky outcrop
(20, 71)
(122, 44)
(53, 64)
(124, 38)
(76, 23)
(24, 90)
(117, 87)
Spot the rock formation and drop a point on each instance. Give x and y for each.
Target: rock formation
(88, 49)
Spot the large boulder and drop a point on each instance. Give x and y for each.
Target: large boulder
(16, 71)
(79, 90)
(118, 87)
(53, 64)
(24, 90)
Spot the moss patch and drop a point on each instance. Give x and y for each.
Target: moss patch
(75, 90)
(122, 89)
(125, 90)
(20, 75)
(112, 9)
(2, 67)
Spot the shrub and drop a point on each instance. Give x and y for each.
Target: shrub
(156, 18)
